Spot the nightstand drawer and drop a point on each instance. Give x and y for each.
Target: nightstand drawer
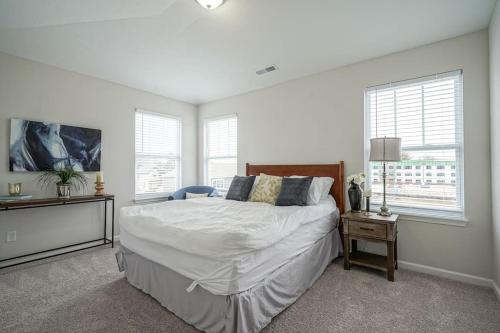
(368, 229)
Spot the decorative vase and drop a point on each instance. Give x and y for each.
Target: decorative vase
(63, 191)
(355, 197)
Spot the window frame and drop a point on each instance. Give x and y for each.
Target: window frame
(424, 214)
(158, 195)
(205, 146)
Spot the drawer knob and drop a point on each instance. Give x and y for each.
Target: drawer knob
(367, 229)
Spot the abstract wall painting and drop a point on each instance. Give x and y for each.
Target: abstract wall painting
(37, 146)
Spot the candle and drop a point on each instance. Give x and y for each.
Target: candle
(99, 177)
(368, 193)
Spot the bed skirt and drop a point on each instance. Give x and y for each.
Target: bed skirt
(245, 312)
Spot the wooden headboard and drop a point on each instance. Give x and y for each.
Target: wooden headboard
(336, 171)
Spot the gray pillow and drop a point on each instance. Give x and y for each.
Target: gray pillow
(294, 191)
(240, 188)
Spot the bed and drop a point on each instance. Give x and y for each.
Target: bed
(228, 266)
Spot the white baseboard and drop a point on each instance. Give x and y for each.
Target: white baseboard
(452, 275)
(496, 289)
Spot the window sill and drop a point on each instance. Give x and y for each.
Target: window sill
(456, 219)
(150, 200)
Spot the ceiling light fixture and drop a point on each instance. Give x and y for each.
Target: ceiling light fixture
(210, 4)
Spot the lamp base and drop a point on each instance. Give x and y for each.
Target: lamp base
(384, 211)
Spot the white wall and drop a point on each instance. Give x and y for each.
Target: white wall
(495, 136)
(319, 119)
(39, 92)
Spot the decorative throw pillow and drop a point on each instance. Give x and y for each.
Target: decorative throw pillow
(240, 188)
(294, 191)
(267, 190)
(254, 185)
(195, 195)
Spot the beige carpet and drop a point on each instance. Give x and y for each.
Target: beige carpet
(86, 293)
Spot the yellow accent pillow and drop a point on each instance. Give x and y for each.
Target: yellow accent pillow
(267, 190)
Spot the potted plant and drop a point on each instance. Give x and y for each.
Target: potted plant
(355, 194)
(65, 179)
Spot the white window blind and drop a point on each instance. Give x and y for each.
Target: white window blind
(221, 152)
(427, 114)
(157, 155)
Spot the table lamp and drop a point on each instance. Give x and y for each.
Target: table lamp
(385, 150)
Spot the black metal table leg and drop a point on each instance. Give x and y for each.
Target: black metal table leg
(105, 219)
(113, 223)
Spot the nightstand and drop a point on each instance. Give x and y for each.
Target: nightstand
(374, 228)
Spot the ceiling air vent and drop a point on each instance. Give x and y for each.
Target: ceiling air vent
(266, 70)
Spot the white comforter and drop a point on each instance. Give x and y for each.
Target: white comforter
(218, 227)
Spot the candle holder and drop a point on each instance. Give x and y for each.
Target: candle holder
(15, 189)
(367, 208)
(99, 189)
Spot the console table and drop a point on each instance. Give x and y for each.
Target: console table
(51, 202)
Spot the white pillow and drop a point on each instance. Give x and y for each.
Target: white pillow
(195, 195)
(326, 185)
(319, 189)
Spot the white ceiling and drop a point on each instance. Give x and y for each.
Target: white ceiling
(178, 49)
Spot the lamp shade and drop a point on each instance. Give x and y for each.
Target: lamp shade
(385, 149)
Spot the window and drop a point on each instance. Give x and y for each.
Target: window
(427, 114)
(157, 154)
(221, 152)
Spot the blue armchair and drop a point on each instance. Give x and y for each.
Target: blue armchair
(180, 194)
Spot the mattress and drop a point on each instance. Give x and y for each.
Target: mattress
(222, 275)
(218, 227)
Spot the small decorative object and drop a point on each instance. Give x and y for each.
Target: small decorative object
(65, 180)
(15, 189)
(385, 150)
(99, 183)
(368, 194)
(354, 192)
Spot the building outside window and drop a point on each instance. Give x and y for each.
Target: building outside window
(427, 114)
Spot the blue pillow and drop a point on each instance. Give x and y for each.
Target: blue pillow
(294, 191)
(240, 188)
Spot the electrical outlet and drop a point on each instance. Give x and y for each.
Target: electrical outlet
(11, 236)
